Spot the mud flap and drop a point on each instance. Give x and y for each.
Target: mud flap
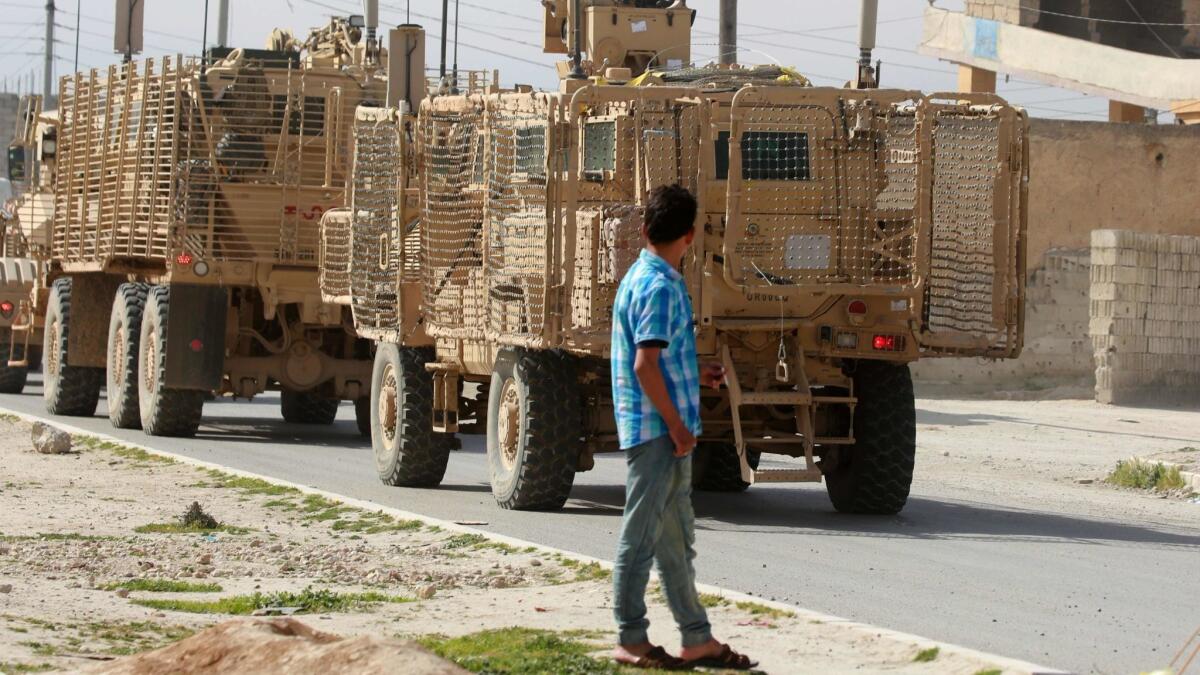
(196, 337)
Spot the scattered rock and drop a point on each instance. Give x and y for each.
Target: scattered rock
(535, 563)
(5, 549)
(122, 592)
(1085, 481)
(6, 588)
(49, 440)
(281, 646)
(427, 591)
(205, 559)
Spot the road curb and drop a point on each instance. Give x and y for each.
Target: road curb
(866, 630)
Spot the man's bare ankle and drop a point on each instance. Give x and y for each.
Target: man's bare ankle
(640, 649)
(710, 648)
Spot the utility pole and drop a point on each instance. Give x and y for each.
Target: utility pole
(728, 37)
(75, 67)
(48, 73)
(445, 38)
(223, 23)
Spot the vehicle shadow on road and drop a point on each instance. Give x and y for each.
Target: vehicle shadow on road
(807, 512)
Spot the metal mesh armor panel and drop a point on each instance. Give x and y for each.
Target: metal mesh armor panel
(375, 241)
(453, 189)
(962, 260)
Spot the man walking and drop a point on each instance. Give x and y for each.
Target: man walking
(656, 394)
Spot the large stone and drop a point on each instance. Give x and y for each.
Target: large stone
(279, 646)
(49, 440)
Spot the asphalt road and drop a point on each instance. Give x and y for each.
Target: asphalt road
(1069, 590)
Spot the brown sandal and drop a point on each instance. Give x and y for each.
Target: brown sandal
(727, 659)
(657, 659)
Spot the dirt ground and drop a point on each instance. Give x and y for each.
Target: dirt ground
(1053, 453)
(76, 526)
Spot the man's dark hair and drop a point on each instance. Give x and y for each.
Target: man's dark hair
(670, 214)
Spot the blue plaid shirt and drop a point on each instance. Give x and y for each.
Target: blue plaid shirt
(653, 305)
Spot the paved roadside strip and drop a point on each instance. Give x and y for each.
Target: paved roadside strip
(858, 631)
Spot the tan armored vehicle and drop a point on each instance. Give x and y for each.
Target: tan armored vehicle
(26, 218)
(188, 194)
(845, 234)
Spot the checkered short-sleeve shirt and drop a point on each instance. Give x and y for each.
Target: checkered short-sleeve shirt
(653, 305)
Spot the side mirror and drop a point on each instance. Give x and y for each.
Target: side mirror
(357, 21)
(16, 164)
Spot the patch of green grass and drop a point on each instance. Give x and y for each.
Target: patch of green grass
(310, 601)
(521, 651)
(180, 528)
(711, 600)
(123, 451)
(464, 541)
(40, 648)
(56, 536)
(132, 637)
(592, 572)
(376, 523)
(927, 655)
(989, 671)
(13, 668)
(164, 586)
(1188, 449)
(11, 419)
(252, 486)
(757, 609)
(1145, 476)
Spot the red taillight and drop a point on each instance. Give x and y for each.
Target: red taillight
(6, 308)
(184, 259)
(888, 343)
(196, 345)
(857, 308)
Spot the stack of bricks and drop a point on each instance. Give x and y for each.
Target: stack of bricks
(1145, 317)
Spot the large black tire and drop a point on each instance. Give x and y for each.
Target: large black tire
(362, 415)
(874, 475)
(407, 451)
(124, 332)
(533, 429)
(68, 390)
(12, 380)
(306, 407)
(164, 411)
(716, 468)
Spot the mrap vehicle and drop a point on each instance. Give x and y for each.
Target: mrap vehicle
(843, 233)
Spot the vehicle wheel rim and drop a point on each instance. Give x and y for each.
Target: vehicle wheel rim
(509, 424)
(118, 356)
(150, 369)
(388, 404)
(56, 342)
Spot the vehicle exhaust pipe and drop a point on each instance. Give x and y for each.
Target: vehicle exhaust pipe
(868, 22)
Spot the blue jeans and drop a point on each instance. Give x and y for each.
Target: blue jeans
(659, 525)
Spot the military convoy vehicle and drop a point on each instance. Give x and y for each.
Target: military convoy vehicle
(845, 233)
(26, 222)
(187, 197)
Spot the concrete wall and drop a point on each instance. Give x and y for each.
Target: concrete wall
(1086, 176)
(8, 123)
(1145, 317)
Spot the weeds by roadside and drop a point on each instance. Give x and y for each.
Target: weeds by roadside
(1145, 476)
(524, 651)
(308, 601)
(927, 655)
(164, 586)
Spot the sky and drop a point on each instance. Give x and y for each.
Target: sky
(817, 37)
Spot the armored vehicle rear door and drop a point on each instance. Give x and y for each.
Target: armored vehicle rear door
(971, 224)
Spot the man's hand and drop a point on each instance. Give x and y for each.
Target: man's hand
(712, 375)
(685, 442)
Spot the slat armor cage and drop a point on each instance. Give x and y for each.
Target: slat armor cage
(237, 162)
(532, 205)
